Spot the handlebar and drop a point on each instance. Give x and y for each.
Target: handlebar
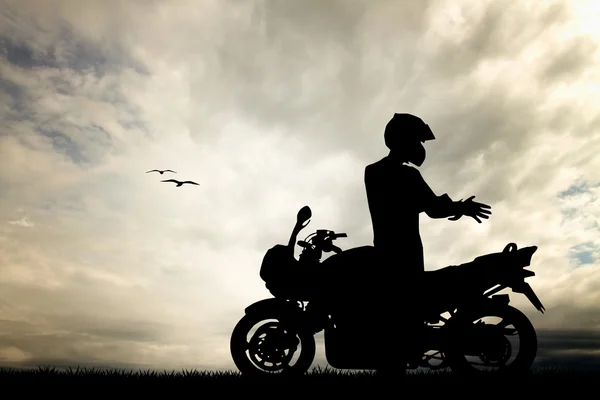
(327, 236)
(305, 245)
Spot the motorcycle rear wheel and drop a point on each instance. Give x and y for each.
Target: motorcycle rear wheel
(527, 342)
(245, 353)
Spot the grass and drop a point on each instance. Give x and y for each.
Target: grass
(320, 376)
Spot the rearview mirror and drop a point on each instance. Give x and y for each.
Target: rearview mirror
(303, 215)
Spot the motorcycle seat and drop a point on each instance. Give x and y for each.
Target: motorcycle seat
(445, 273)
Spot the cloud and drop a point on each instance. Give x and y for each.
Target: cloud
(271, 106)
(24, 222)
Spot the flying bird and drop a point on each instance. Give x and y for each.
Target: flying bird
(161, 172)
(179, 183)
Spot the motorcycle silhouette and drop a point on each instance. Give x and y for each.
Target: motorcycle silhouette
(457, 298)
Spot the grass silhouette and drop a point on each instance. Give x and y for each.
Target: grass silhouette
(321, 376)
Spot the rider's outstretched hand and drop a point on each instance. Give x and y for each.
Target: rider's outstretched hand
(473, 209)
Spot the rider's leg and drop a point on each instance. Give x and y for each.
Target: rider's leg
(402, 286)
(389, 308)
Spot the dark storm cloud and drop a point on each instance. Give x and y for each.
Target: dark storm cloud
(65, 145)
(68, 61)
(576, 349)
(68, 52)
(14, 99)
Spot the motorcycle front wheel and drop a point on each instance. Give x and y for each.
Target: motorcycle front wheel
(484, 348)
(274, 348)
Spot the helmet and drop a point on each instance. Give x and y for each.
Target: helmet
(405, 128)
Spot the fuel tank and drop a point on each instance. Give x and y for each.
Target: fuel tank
(351, 261)
(352, 277)
(350, 266)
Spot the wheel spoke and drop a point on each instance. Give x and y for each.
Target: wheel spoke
(510, 331)
(266, 345)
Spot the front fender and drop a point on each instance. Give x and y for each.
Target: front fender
(273, 305)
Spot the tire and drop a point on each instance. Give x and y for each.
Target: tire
(239, 346)
(527, 342)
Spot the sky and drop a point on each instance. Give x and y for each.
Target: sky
(270, 106)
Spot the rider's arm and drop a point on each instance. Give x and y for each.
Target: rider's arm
(434, 206)
(441, 207)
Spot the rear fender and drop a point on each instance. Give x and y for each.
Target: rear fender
(498, 300)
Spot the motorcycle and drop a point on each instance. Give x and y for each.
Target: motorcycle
(459, 297)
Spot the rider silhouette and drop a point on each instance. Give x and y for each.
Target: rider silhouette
(396, 195)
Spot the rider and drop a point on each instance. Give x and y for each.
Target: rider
(396, 195)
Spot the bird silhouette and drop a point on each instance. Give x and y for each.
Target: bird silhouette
(161, 172)
(179, 183)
